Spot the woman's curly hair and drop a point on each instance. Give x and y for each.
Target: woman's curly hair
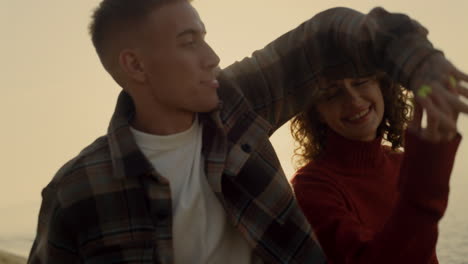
(310, 133)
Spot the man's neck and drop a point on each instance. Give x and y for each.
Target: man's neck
(162, 124)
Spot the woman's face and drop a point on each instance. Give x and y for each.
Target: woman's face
(353, 108)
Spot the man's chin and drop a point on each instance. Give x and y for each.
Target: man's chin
(213, 106)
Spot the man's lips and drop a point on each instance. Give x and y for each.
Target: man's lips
(211, 83)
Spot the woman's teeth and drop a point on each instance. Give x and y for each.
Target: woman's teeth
(359, 115)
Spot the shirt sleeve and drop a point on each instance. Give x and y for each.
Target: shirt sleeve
(54, 242)
(410, 233)
(278, 80)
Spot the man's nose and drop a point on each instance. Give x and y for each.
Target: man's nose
(211, 59)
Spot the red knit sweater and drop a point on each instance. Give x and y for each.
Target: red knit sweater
(368, 204)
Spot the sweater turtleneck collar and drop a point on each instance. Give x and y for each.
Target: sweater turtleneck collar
(351, 153)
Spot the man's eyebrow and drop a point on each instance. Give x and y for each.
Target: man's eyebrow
(191, 31)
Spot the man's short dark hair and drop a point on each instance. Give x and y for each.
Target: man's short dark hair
(114, 16)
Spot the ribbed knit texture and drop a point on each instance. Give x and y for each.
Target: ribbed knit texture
(365, 204)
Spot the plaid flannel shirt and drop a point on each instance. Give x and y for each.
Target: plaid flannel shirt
(109, 205)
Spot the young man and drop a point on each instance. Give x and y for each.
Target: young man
(186, 173)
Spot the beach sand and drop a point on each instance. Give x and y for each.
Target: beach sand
(7, 258)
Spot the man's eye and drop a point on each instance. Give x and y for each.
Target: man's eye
(191, 43)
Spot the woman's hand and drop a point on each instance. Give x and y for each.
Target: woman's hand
(438, 86)
(441, 117)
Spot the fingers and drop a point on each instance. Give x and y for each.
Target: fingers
(452, 84)
(441, 119)
(447, 123)
(459, 80)
(463, 89)
(454, 100)
(459, 75)
(442, 106)
(439, 89)
(431, 131)
(415, 124)
(457, 85)
(433, 121)
(450, 100)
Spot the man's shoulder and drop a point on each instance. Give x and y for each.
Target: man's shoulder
(77, 178)
(93, 155)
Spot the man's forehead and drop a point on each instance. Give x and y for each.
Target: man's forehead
(177, 18)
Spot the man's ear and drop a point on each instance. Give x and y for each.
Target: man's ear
(131, 65)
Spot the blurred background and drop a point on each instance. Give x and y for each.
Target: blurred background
(56, 98)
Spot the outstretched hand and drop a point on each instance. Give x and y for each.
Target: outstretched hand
(441, 117)
(437, 85)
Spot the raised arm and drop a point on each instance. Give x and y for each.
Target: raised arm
(278, 80)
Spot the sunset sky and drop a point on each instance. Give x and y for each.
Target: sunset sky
(56, 97)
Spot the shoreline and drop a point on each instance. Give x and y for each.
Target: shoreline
(9, 258)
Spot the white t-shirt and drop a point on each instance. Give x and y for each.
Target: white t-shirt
(201, 231)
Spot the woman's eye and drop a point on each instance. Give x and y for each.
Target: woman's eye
(331, 94)
(330, 97)
(359, 83)
(330, 91)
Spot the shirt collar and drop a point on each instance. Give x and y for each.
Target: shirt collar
(127, 159)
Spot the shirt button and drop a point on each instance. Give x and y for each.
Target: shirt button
(246, 148)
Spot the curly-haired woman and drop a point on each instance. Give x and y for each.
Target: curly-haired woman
(366, 199)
